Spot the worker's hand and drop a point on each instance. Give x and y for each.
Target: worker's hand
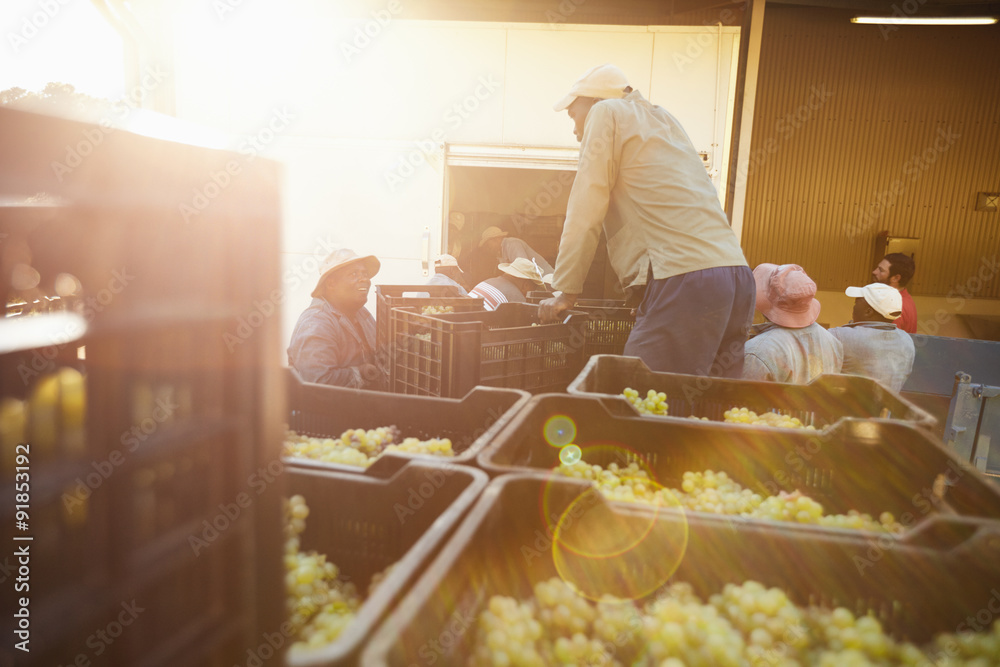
(550, 310)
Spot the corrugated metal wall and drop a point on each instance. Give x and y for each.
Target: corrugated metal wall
(856, 131)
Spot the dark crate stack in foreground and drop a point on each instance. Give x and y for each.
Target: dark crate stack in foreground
(447, 355)
(157, 516)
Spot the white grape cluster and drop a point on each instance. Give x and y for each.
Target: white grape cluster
(436, 310)
(628, 484)
(360, 447)
(747, 416)
(655, 403)
(718, 493)
(319, 605)
(746, 624)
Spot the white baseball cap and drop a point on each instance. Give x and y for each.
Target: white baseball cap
(885, 299)
(446, 260)
(603, 82)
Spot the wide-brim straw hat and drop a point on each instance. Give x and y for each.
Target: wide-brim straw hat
(491, 233)
(340, 258)
(522, 267)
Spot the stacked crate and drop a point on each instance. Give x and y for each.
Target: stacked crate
(449, 354)
(431, 297)
(608, 327)
(156, 526)
(926, 575)
(394, 514)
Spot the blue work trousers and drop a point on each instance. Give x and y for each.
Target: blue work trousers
(695, 323)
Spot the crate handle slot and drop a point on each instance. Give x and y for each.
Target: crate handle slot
(948, 532)
(387, 465)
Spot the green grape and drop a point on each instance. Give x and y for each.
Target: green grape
(360, 447)
(654, 403)
(747, 416)
(747, 625)
(436, 310)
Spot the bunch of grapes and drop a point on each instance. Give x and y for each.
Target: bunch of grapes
(436, 310)
(432, 447)
(319, 604)
(655, 403)
(628, 484)
(977, 649)
(747, 624)
(718, 493)
(360, 447)
(746, 416)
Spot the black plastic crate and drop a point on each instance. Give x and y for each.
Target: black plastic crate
(866, 465)
(397, 513)
(537, 297)
(470, 422)
(927, 583)
(821, 403)
(388, 297)
(447, 355)
(609, 325)
(608, 328)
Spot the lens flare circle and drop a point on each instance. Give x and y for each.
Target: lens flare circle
(570, 454)
(559, 431)
(600, 452)
(603, 546)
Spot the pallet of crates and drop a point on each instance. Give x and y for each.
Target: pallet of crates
(819, 404)
(324, 422)
(379, 529)
(428, 299)
(545, 570)
(155, 521)
(895, 473)
(447, 355)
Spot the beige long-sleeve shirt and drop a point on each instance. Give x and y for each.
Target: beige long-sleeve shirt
(641, 177)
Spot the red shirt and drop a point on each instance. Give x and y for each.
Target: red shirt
(908, 320)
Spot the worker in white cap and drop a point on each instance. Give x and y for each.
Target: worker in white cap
(334, 339)
(668, 239)
(448, 272)
(873, 345)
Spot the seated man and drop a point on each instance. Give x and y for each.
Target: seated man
(506, 248)
(790, 346)
(334, 338)
(514, 282)
(873, 345)
(447, 272)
